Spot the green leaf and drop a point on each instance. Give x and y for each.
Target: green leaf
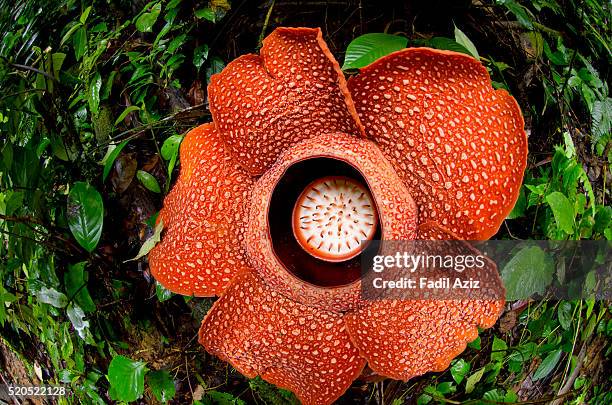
(459, 370)
(200, 54)
(162, 293)
(473, 380)
(498, 349)
(151, 242)
(85, 215)
(52, 297)
(548, 365)
(76, 286)
(206, 13)
(93, 95)
(85, 15)
(367, 48)
(110, 157)
(145, 22)
(162, 385)
(562, 210)
(171, 146)
(464, 41)
(447, 44)
(170, 151)
(77, 317)
(125, 113)
(126, 378)
(519, 207)
(520, 12)
(148, 181)
(216, 65)
(79, 42)
(528, 272)
(564, 312)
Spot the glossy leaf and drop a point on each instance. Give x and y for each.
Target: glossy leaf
(367, 48)
(85, 215)
(148, 181)
(145, 22)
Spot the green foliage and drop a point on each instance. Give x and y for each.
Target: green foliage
(528, 273)
(85, 215)
(367, 48)
(126, 378)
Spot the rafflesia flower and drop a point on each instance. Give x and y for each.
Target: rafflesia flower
(299, 167)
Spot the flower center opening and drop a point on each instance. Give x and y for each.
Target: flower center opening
(333, 216)
(295, 200)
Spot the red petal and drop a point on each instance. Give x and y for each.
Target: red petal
(404, 339)
(293, 91)
(396, 210)
(203, 216)
(457, 143)
(293, 346)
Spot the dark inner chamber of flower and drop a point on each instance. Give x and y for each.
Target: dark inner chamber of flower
(291, 254)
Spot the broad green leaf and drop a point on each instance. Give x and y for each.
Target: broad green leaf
(76, 286)
(85, 215)
(93, 95)
(529, 272)
(200, 54)
(548, 365)
(206, 13)
(77, 317)
(473, 380)
(367, 48)
(125, 113)
(459, 370)
(562, 210)
(447, 44)
(52, 297)
(463, 40)
(126, 378)
(148, 181)
(111, 156)
(145, 22)
(151, 242)
(162, 385)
